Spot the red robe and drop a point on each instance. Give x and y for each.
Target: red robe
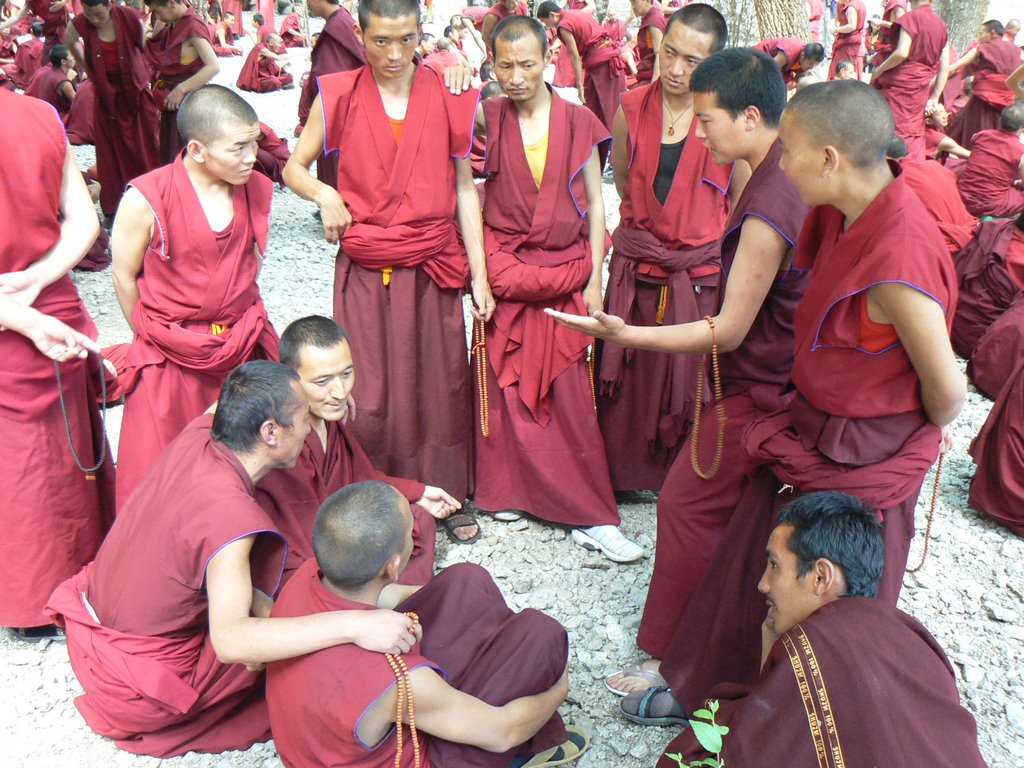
(291, 32)
(888, 39)
(814, 702)
(848, 45)
(907, 87)
(497, 12)
(266, 9)
(544, 453)
(234, 7)
(272, 154)
(693, 512)
(401, 271)
(1000, 349)
(55, 23)
(45, 86)
(817, 10)
(136, 618)
(603, 78)
(935, 187)
(470, 636)
(170, 71)
(229, 37)
(27, 61)
(996, 60)
(261, 73)
(127, 127)
(792, 47)
(645, 54)
(81, 118)
(986, 183)
(54, 515)
(645, 399)
(291, 498)
(192, 279)
(866, 435)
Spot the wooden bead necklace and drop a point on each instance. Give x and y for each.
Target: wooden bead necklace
(592, 370)
(479, 351)
(719, 407)
(403, 690)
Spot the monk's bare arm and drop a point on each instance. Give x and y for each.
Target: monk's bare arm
(133, 229)
(920, 324)
(941, 77)
(67, 90)
(51, 337)
(210, 68)
(240, 638)
(15, 18)
(222, 37)
(849, 26)
(1015, 82)
(741, 173)
(897, 57)
(74, 43)
(950, 147)
(334, 214)
(467, 204)
(488, 27)
(620, 151)
(966, 60)
(596, 231)
(657, 36)
(394, 594)
(577, 62)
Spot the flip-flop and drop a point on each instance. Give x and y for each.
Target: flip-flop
(461, 520)
(507, 515)
(572, 749)
(38, 634)
(646, 706)
(636, 670)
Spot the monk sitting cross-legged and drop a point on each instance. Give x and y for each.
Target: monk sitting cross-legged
(263, 69)
(480, 687)
(991, 183)
(52, 84)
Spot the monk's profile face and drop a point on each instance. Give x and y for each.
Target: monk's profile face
(390, 45)
(328, 376)
(803, 161)
(723, 135)
(408, 545)
(231, 156)
(97, 15)
(682, 49)
(275, 43)
(791, 598)
(519, 67)
(169, 12)
(509, 5)
(290, 438)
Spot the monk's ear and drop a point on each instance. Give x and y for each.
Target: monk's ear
(831, 159)
(268, 432)
(829, 579)
(196, 150)
(393, 567)
(751, 117)
(359, 34)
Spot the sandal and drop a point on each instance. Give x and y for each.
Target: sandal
(637, 669)
(655, 706)
(507, 515)
(460, 520)
(577, 743)
(38, 634)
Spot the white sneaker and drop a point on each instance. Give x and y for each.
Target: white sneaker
(609, 541)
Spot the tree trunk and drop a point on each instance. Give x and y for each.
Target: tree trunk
(739, 14)
(782, 18)
(963, 17)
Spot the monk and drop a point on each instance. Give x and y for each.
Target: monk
(54, 17)
(794, 57)
(990, 183)
(825, 635)
(168, 628)
(990, 63)
(224, 36)
(59, 500)
(263, 70)
(596, 62)
(445, 57)
(915, 72)
(738, 98)
(185, 265)
(52, 84)
(403, 140)
(885, 30)
(107, 41)
(501, 9)
(185, 62)
(849, 35)
(538, 448)
(27, 59)
(291, 31)
(845, 70)
(648, 38)
(272, 154)
(481, 686)
(332, 458)
(879, 301)
(336, 50)
(665, 266)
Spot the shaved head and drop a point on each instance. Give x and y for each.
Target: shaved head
(513, 28)
(849, 115)
(208, 113)
(386, 9)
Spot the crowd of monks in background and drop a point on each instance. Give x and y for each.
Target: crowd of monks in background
(798, 255)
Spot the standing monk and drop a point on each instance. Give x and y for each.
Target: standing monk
(185, 265)
(648, 38)
(54, 15)
(915, 73)
(502, 9)
(541, 450)
(665, 267)
(404, 141)
(55, 512)
(849, 35)
(185, 61)
(109, 43)
(888, 34)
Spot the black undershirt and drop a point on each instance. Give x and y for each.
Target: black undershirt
(668, 161)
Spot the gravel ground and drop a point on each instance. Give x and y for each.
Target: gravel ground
(969, 592)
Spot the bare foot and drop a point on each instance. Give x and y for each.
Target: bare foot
(636, 677)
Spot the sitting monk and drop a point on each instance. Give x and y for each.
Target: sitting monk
(263, 71)
(272, 154)
(224, 36)
(990, 183)
(794, 57)
(480, 688)
(823, 637)
(168, 627)
(319, 351)
(52, 83)
(27, 59)
(291, 32)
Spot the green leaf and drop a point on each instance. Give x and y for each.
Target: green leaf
(723, 729)
(675, 756)
(710, 761)
(708, 736)
(713, 705)
(703, 714)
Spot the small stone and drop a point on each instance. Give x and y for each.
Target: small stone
(1001, 613)
(973, 674)
(597, 565)
(1015, 715)
(520, 525)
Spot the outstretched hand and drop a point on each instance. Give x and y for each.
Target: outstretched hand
(599, 325)
(438, 502)
(58, 341)
(385, 631)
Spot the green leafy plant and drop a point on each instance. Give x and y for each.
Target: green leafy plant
(709, 733)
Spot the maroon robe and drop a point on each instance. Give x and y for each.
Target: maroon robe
(54, 515)
(645, 54)
(45, 86)
(234, 7)
(81, 118)
(137, 617)
(889, 38)
(126, 125)
(171, 71)
(272, 154)
(693, 512)
(336, 50)
(990, 95)
(848, 45)
(229, 37)
(26, 62)
(866, 435)
(906, 87)
(544, 453)
(791, 47)
(470, 636)
(496, 13)
(999, 350)
(292, 497)
(817, 702)
(290, 31)
(817, 10)
(986, 182)
(266, 9)
(192, 279)
(604, 80)
(55, 23)
(935, 187)
(261, 73)
(645, 399)
(401, 271)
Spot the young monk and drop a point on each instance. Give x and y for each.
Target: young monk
(538, 447)
(849, 35)
(502, 9)
(263, 70)
(224, 36)
(185, 61)
(990, 183)
(665, 266)
(332, 458)
(483, 683)
(738, 97)
(404, 142)
(794, 57)
(168, 628)
(290, 31)
(915, 72)
(52, 84)
(648, 38)
(107, 42)
(272, 154)
(56, 509)
(185, 265)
